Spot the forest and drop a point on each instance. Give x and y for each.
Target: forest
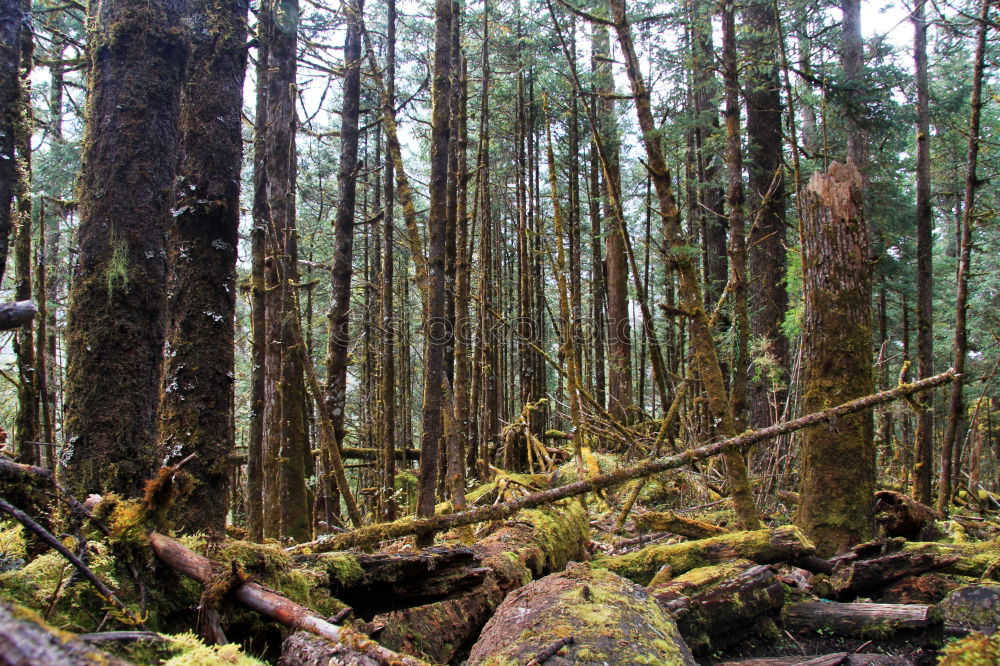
(499, 332)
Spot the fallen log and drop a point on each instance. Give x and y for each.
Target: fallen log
(274, 606)
(761, 546)
(903, 516)
(25, 640)
(716, 607)
(609, 619)
(16, 314)
(372, 534)
(861, 577)
(539, 542)
(860, 620)
(980, 559)
(362, 453)
(668, 521)
(835, 659)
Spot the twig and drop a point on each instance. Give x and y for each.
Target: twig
(84, 570)
(550, 651)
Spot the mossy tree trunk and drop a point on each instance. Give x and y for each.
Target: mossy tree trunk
(838, 460)
(26, 423)
(10, 57)
(286, 509)
(116, 314)
(196, 402)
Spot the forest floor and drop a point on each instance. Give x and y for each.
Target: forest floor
(574, 582)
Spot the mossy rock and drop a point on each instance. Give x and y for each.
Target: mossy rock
(973, 608)
(609, 619)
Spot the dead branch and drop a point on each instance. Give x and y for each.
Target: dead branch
(271, 604)
(13, 315)
(372, 534)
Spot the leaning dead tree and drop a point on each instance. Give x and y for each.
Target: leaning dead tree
(372, 534)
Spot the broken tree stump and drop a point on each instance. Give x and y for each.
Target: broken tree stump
(25, 640)
(861, 620)
(903, 516)
(761, 546)
(608, 618)
(716, 607)
(668, 521)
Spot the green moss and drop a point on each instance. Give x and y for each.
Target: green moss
(342, 567)
(980, 559)
(973, 650)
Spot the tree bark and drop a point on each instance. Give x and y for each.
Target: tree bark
(10, 102)
(836, 508)
(116, 313)
(196, 402)
(961, 344)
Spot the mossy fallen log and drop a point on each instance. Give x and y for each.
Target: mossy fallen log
(537, 542)
(26, 639)
(668, 521)
(861, 577)
(761, 546)
(591, 616)
(719, 606)
(978, 559)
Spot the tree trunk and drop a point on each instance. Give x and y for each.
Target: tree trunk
(961, 344)
(10, 103)
(387, 500)
(836, 508)
(116, 315)
(196, 400)
(437, 222)
(766, 257)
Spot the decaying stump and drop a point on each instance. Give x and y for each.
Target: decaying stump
(535, 543)
(590, 616)
(761, 546)
(716, 607)
(668, 521)
(861, 620)
(25, 640)
(903, 516)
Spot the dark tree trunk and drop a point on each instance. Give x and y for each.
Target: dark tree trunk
(960, 347)
(343, 258)
(437, 223)
(26, 422)
(259, 235)
(10, 102)
(116, 312)
(766, 257)
(924, 468)
(197, 387)
(836, 507)
(388, 502)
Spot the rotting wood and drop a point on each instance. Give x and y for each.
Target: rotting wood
(716, 607)
(859, 577)
(981, 560)
(668, 521)
(271, 604)
(371, 534)
(26, 639)
(903, 516)
(863, 620)
(16, 314)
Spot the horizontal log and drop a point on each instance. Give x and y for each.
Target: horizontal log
(362, 453)
(14, 315)
(668, 521)
(26, 639)
(372, 534)
(273, 605)
(858, 578)
(862, 620)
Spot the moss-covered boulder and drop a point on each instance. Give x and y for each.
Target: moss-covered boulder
(761, 546)
(590, 616)
(972, 608)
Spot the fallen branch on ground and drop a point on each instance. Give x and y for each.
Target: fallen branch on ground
(371, 534)
(271, 604)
